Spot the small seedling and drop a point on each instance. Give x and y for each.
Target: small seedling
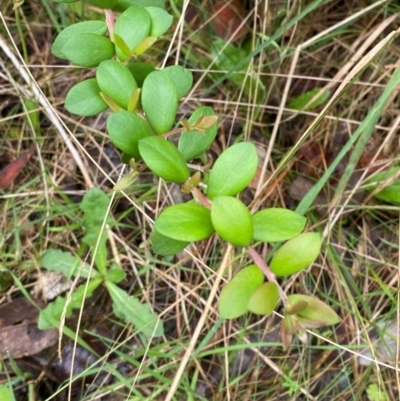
(144, 103)
(125, 307)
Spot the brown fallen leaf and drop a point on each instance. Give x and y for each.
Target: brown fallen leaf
(77, 359)
(227, 18)
(10, 172)
(19, 334)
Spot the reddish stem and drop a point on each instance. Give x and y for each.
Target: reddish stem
(259, 261)
(110, 22)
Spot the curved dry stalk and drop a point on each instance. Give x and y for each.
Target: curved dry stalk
(199, 327)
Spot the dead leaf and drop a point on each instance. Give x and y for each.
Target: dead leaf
(19, 334)
(311, 159)
(227, 19)
(50, 285)
(11, 171)
(77, 359)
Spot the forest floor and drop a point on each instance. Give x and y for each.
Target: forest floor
(314, 84)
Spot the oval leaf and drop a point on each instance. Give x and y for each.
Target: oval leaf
(166, 246)
(88, 49)
(193, 144)
(277, 224)
(144, 45)
(84, 99)
(233, 170)
(96, 27)
(236, 295)
(116, 81)
(140, 71)
(160, 20)
(232, 220)
(390, 193)
(160, 101)
(186, 222)
(182, 77)
(264, 299)
(126, 129)
(132, 26)
(164, 159)
(296, 254)
(316, 311)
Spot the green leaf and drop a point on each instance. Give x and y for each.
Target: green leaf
(390, 193)
(264, 299)
(127, 180)
(182, 77)
(235, 296)
(277, 224)
(316, 311)
(227, 57)
(32, 108)
(116, 81)
(51, 315)
(88, 49)
(94, 206)
(140, 71)
(145, 44)
(233, 170)
(160, 101)
(115, 274)
(132, 311)
(95, 27)
(193, 144)
(66, 263)
(166, 246)
(185, 222)
(300, 103)
(121, 45)
(296, 254)
(84, 99)
(134, 100)
(160, 20)
(126, 130)
(232, 220)
(376, 392)
(164, 159)
(6, 393)
(105, 4)
(132, 26)
(122, 5)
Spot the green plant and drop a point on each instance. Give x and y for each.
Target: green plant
(144, 101)
(127, 308)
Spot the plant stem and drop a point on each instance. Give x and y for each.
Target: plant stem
(201, 198)
(110, 22)
(259, 261)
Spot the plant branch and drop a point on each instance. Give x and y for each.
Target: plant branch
(259, 261)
